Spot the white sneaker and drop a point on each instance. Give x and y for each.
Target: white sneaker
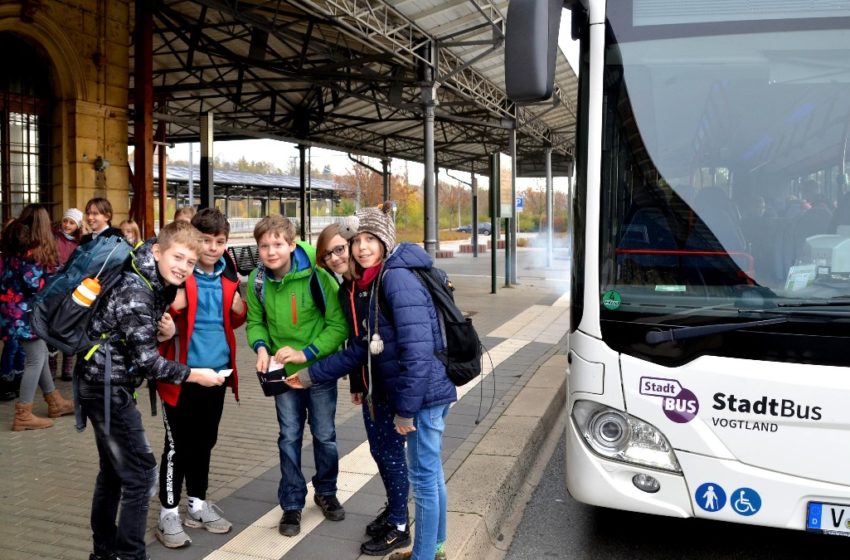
(209, 517)
(170, 532)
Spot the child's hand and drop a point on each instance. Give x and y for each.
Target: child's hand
(205, 377)
(262, 359)
(404, 429)
(287, 355)
(166, 327)
(356, 398)
(179, 303)
(294, 382)
(238, 305)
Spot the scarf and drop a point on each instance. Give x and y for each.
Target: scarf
(369, 276)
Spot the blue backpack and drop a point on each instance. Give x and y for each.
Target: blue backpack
(56, 317)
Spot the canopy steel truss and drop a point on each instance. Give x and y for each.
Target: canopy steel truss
(345, 74)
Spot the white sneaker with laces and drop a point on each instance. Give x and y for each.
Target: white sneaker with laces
(170, 532)
(209, 517)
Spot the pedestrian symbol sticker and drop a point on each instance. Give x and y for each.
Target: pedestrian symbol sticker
(710, 497)
(745, 501)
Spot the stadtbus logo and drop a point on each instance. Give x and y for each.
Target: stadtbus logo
(679, 404)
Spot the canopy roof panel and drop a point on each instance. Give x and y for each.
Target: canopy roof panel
(348, 75)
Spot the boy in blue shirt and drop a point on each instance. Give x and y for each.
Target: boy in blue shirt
(206, 312)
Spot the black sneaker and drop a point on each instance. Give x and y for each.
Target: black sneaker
(379, 546)
(330, 507)
(379, 527)
(290, 523)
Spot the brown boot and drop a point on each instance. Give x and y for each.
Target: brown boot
(58, 406)
(26, 420)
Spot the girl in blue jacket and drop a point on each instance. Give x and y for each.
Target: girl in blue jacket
(390, 530)
(399, 353)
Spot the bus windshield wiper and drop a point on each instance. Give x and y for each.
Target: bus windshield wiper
(814, 303)
(679, 333)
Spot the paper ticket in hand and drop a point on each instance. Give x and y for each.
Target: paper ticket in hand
(225, 372)
(274, 366)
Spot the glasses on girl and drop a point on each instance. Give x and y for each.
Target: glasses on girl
(339, 251)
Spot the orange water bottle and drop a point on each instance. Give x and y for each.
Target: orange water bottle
(86, 292)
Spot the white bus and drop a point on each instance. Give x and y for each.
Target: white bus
(710, 338)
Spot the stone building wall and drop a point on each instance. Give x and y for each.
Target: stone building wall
(87, 42)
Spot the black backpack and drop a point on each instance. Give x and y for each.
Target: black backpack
(462, 347)
(55, 317)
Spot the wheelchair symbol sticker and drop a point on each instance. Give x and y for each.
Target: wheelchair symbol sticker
(710, 496)
(745, 501)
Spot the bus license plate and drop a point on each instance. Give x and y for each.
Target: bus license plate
(828, 518)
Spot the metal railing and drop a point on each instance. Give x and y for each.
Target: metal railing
(246, 225)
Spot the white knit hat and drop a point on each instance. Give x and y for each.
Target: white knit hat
(74, 214)
(374, 220)
(379, 223)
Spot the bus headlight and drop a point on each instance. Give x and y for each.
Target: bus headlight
(622, 437)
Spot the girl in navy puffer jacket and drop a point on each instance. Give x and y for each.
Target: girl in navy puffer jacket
(401, 351)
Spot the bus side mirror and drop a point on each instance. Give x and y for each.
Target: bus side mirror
(531, 46)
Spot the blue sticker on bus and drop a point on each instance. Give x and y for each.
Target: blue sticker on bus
(745, 501)
(710, 496)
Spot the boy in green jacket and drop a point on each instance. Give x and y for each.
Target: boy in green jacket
(283, 314)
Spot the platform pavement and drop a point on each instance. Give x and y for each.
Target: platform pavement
(48, 475)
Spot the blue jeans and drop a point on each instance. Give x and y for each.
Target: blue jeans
(424, 446)
(317, 405)
(127, 476)
(387, 448)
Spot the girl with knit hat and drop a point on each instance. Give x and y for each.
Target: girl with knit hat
(398, 350)
(67, 235)
(390, 529)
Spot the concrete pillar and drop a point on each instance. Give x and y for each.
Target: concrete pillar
(303, 187)
(385, 176)
(142, 210)
(437, 204)
(191, 181)
(515, 220)
(550, 204)
(474, 188)
(429, 100)
(163, 182)
(494, 217)
(207, 159)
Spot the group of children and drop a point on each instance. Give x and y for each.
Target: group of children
(183, 283)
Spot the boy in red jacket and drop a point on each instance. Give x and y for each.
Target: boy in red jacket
(206, 313)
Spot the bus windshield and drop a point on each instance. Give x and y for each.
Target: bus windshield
(724, 172)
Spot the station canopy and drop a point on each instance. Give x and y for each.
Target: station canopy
(348, 75)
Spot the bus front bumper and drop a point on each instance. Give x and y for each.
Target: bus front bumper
(769, 498)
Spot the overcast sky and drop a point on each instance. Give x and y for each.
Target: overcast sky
(281, 153)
